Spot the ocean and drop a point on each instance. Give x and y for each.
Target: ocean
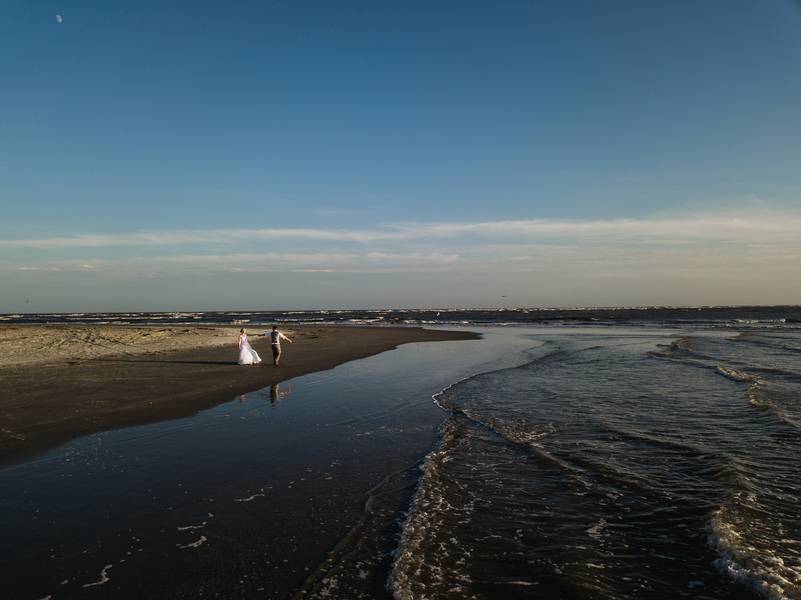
(609, 455)
(616, 465)
(705, 316)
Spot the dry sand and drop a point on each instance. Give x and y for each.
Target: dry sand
(60, 382)
(23, 345)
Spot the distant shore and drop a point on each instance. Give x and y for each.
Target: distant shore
(59, 382)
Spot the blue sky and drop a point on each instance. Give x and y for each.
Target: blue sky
(158, 156)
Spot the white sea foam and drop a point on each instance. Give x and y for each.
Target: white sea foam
(757, 568)
(595, 530)
(199, 542)
(104, 578)
(734, 374)
(249, 498)
(755, 396)
(425, 527)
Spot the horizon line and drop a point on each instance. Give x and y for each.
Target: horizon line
(419, 309)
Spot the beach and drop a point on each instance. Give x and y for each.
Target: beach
(62, 381)
(295, 489)
(650, 460)
(400, 301)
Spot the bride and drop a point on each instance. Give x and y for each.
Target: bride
(247, 355)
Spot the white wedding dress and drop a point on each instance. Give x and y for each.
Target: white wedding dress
(247, 355)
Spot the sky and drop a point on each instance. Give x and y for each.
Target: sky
(298, 155)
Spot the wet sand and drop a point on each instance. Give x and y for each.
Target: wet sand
(61, 382)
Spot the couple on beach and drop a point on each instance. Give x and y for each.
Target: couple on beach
(248, 356)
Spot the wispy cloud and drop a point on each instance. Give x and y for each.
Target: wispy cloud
(710, 249)
(208, 236)
(711, 259)
(744, 227)
(267, 262)
(764, 227)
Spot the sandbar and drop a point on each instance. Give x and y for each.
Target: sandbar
(59, 382)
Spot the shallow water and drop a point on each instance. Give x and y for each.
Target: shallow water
(620, 465)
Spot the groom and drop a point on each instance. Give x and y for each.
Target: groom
(275, 343)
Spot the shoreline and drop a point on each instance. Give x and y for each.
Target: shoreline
(73, 385)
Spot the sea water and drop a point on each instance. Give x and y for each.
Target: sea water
(616, 464)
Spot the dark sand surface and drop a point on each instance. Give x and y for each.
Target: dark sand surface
(46, 404)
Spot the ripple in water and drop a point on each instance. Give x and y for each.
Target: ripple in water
(616, 470)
